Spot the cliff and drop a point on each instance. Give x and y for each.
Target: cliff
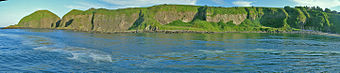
(39, 19)
(189, 18)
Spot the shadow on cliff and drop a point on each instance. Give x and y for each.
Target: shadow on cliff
(138, 22)
(201, 14)
(57, 24)
(68, 23)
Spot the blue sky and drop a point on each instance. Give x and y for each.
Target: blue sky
(11, 11)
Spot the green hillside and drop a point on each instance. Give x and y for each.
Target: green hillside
(39, 19)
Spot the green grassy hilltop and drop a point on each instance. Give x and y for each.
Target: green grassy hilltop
(39, 19)
(190, 18)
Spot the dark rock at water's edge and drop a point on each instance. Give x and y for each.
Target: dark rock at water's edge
(186, 18)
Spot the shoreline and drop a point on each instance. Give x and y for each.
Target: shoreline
(176, 31)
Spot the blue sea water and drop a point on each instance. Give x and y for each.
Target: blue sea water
(43, 50)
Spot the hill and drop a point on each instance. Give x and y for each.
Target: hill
(39, 19)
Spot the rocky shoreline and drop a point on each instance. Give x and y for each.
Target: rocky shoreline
(177, 31)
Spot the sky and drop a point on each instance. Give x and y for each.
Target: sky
(11, 11)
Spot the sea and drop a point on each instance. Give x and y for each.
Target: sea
(45, 50)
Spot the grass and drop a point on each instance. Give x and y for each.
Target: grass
(221, 10)
(38, 15)
(200, 25)
(178, 8)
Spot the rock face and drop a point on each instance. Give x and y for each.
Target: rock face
(156, 17)
(166, 17)
(101, 20)
(76, 20)
(236, 18)
(113, 21)
(237, 15)
(40, 19)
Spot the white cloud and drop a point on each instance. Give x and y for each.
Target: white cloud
(321, 3)
(242, 3)
(115, 4)
(220, 2)
(139, 3)
(85, 5)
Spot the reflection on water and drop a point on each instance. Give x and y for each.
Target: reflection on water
(43, 50)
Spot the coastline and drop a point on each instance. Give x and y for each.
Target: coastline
(183, 19)
(181, 31)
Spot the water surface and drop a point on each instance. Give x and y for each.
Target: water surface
(42, 50)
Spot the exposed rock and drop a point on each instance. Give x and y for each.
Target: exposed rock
(112, 23)
(236, 18)
(165, 17)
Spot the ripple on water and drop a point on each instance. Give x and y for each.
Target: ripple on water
(253, 60)
(83, 55)
(47, 52)
(26, 52)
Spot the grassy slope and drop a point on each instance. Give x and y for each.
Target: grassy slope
(37, 16)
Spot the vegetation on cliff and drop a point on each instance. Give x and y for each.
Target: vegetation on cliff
(192, 18)
(39, 19)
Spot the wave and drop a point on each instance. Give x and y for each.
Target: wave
(222, 54)
(329, 34)
(9, 36)
(268, 51)
(83, 55)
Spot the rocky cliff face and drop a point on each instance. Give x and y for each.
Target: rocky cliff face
(237, 15)
(156, 17)
(113, 21)
(166, 17)
(76, 20)
(236, 18)
(101, 20)
(39, 19)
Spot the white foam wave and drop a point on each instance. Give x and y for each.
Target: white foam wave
(330, 34)
(83, 55)
(212, 51)
(101, 57)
